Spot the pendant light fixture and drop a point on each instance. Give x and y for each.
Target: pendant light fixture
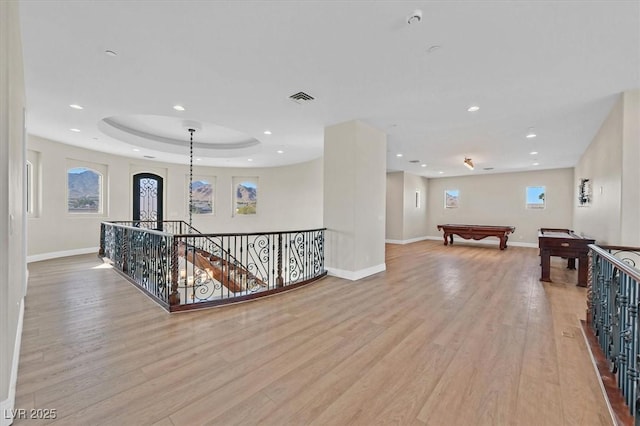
(468, 163)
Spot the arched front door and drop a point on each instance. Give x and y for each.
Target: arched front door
(147, 198)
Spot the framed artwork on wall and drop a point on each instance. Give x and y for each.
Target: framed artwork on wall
(585, 193)
(451, 198)
(245, 196)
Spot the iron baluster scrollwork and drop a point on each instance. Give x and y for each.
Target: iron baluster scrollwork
(613, 305)
(194, 269)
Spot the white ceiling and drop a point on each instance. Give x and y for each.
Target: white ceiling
(556, 66)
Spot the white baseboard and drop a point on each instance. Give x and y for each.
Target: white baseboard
(7, 405)
(487, 241)
(65, 253)
(356, 275)
(409, 241)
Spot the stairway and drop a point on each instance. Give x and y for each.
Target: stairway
(234, 277)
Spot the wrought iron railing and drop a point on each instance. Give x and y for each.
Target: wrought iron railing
(183, 269)
(612, 311)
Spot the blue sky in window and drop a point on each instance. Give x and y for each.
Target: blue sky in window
(533, 194)
(77, 170)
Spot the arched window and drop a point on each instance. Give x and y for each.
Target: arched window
(203, 190)
(84, 190)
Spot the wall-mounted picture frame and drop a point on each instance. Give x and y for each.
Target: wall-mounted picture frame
(585, 192)
(245, 196)
(451, 198)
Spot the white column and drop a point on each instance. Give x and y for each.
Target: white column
(355, 161)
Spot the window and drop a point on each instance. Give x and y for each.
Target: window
(32, 183)
(84, 190)
(451, 198)
(535, 197)
(245, 195)
(29, 187)
(202, 191)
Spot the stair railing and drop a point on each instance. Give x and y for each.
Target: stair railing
(181, 268)
(613, 302)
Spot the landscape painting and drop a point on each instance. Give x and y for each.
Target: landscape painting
(83, 190)
(451, 198)
(202, 190)
(245, 195)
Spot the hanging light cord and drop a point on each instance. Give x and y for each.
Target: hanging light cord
(191, 179)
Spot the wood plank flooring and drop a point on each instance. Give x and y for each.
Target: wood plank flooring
(460, 335)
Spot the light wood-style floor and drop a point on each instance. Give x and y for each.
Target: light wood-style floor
(460, 335)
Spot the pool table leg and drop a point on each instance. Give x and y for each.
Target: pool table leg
(545, 263)
(503, 242)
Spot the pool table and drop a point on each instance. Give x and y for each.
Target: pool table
(476, 232)
(564, 243)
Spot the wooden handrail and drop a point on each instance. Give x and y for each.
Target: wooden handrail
(627, 269)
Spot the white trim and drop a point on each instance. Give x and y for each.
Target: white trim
(65, 253)
(486, 242)
(356, 275)
(8, 404)
(595, 367)
(409, 241)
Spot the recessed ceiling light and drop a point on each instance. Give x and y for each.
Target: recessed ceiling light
(423, 165)
(440, 172)
(249, 159)
(398, 155)
(178, 107)
(76, 106)
(433, 48)
(280, 151)
(531, 134)
(110, 53)
(267, 132)
(473, 108)
(75, 130)
(198, 159)
(136, 150)
(533, 152)
(536, 164)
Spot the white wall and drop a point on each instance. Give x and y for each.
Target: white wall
(406, 222)
(601, 163)
(394, 226)
(499, 199)
(289, 197)
(12, 207)
(630, 217)
(611, 163)
(415, 217)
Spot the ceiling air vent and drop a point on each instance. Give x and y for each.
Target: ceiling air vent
(414, 161)
(148, 156)
(301, 97)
